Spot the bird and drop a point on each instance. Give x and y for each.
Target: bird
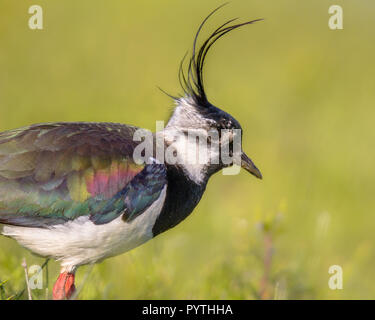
(75, 192)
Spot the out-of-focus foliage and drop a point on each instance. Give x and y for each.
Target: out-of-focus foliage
(304, 95)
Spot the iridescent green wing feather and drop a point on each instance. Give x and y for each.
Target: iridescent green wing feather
(52, 173)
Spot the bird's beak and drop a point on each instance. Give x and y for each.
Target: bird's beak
(249, 166)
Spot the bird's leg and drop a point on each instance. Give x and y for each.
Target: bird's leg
(47, 277)
(64, 286)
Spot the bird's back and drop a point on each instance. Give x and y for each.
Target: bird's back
(48, 172)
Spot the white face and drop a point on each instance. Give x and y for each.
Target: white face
(197, 149)
(190, 152)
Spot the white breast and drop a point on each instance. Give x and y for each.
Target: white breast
(81, 242)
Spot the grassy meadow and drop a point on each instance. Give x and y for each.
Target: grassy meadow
(304, 95)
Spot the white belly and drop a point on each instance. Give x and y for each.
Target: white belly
(81, 242)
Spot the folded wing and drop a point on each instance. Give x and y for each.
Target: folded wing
(53, 173)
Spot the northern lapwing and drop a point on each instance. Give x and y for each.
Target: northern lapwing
(75, 192)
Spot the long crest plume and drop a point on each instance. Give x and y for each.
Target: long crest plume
(192, 83)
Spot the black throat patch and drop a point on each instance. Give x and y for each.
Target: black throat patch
(182, 197)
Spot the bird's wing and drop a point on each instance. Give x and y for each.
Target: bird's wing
(53, 173)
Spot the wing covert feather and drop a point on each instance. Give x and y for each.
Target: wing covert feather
(57, 171)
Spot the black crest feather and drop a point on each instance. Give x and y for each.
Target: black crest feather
(192, 82)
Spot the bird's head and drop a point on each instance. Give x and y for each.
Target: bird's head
(194, 115)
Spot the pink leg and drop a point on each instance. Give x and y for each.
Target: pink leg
(64, 286)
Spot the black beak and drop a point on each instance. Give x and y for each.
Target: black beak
(249, 166)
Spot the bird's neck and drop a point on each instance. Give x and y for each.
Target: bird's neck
(187, 180)
(183, 195)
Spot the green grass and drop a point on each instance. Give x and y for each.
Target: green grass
(304, 95)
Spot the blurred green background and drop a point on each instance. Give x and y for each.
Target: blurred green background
(304, 95)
